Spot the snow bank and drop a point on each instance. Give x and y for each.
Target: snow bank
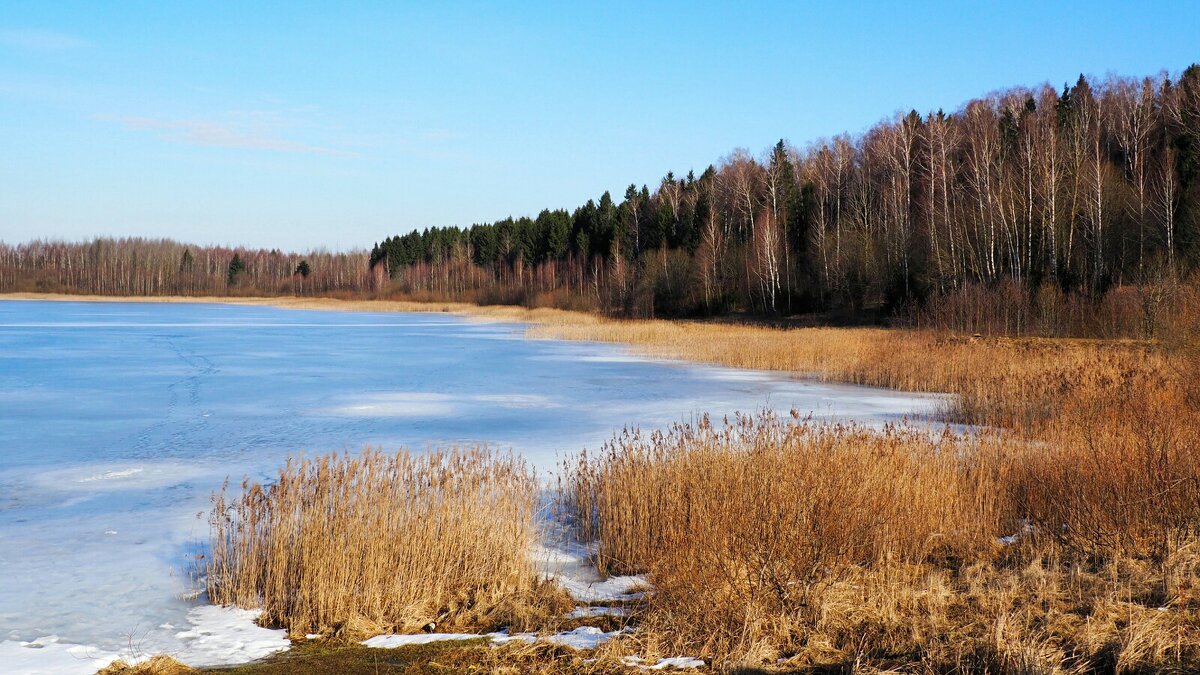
(562, 558)
(584, 637)
(393, 641)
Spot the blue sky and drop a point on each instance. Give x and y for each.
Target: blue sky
(303, 124)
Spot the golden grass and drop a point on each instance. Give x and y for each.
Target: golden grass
(773, 539)
(155, 665)
(825, 496)
(357, 545)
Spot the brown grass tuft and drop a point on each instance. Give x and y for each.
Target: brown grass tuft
(155, 665)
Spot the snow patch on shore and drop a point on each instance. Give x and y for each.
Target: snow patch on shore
(48, 656)
(222, 636)
(612, 589)
(394, 641)
(584, 637)
(568, 562)
(670, 663)
(218, 636)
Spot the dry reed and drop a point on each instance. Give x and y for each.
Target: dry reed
(775, 539)
(823, 495)
(378, 542)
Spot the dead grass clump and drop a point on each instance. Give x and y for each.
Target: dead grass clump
(155, 665)
(362, 544)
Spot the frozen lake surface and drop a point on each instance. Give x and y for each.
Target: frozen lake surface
(118, 420)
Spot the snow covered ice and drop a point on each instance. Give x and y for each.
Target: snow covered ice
(119, 420)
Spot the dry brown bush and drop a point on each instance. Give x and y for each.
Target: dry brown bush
(1116, 471)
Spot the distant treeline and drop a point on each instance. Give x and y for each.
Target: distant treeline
(1078, 190)
(1017, 213)
(163, 267)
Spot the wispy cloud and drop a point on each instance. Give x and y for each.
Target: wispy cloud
(222, 135)
(40, 40)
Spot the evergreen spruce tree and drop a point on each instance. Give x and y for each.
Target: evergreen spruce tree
(236, 267)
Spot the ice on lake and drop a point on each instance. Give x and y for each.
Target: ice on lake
(118, 420)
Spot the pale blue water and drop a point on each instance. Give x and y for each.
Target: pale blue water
(118, 420)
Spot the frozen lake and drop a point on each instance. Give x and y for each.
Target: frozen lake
(118, 420)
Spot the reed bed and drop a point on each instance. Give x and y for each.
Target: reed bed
(362, 544)
(995, 381)
(824, 496)
(770, 539)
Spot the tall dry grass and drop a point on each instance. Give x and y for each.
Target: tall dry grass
(823, 496)
(376, 542)
(1116, 470)
(771, 539)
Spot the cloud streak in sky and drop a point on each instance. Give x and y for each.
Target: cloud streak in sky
(40, 40)
(222, 135)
